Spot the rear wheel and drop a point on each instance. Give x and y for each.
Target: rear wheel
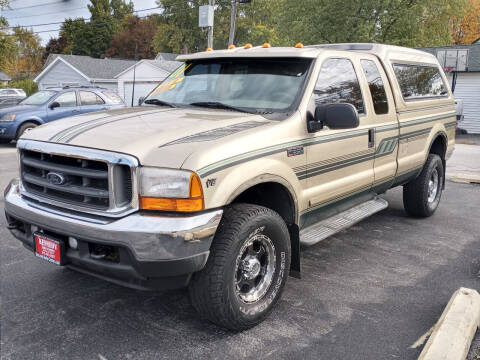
(421, 196)
(246, 270)
(25, 127)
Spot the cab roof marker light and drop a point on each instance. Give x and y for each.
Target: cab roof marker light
(231, 47)
(299, 45)
(208, 49)
(248, 46)
(266, 45)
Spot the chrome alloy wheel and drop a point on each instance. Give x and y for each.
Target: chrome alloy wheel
(433, 183)
(254, 268)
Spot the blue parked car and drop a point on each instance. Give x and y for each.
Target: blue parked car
(53, 104)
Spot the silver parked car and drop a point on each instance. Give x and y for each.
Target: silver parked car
(11, 97)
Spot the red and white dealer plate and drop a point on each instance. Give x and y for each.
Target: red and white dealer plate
(48, 249)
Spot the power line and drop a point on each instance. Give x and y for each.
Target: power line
(32, 6)
(36, 15)
(61, 22)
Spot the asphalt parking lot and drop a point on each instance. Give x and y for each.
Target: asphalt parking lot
(367, 293)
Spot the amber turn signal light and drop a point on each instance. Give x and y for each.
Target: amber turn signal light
(194, 203)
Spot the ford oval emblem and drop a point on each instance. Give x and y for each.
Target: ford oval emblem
(56, 178)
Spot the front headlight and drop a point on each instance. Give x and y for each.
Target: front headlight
(8, 117)
(170, 190)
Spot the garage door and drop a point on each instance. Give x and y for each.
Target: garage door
(141, 89)
(468, 89)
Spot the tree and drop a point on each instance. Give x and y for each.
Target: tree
(402, 22)
(466, 28)
(29, 53)
(91, 38)
(135, 40)
(179, 32)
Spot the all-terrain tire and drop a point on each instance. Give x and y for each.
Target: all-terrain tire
(419, 198)
(25, 127)
(214, 291)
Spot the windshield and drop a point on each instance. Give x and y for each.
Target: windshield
(252, 85)
(38, 98)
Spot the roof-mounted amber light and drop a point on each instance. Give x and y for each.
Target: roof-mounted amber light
(266, 45)
(299, 45)
(231, 47)
(248, 46)
(208, 49)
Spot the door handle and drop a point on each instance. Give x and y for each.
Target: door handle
(371, 137)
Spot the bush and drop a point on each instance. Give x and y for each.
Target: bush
(29, 86)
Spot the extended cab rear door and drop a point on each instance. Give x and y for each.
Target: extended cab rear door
(385, 130)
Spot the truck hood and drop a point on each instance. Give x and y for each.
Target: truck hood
(145, 132)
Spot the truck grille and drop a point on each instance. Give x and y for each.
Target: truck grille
(77, 183)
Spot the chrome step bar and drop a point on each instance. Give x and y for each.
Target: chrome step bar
(332, 225)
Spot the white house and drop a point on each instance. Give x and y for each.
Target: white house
(147, 74)
(462, 63)
(76, 70)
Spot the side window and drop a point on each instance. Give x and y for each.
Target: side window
(90, 98)
(338, 83)
(112, 98)
(419, 81)
(375, 84)
(67, 99)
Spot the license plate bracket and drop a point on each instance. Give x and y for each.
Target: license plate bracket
(49, 249)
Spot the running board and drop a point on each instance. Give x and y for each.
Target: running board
(332, 225)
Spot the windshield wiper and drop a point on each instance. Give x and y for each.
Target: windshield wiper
(159, 103)
(219, 105)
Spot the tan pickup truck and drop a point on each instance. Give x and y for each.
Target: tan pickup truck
(230, 165)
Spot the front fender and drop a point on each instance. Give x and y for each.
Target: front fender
(232, 182)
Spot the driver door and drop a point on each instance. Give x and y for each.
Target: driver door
(68, 106)
(339, 162)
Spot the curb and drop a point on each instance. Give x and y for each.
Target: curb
(453, 333)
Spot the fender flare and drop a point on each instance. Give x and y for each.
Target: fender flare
(442, 134)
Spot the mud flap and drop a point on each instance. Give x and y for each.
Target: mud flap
(295, 248)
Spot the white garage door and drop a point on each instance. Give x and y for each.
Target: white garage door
(468, 89)
(141, 89)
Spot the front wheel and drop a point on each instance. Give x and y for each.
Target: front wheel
(24, 128)
(247, 268)
(421, 196)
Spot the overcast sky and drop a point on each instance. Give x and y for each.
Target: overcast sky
(32, 12)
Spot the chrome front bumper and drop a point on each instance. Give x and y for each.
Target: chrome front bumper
(182, 241)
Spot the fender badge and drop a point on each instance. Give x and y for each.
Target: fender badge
(295, 151)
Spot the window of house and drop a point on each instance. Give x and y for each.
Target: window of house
(90, 98)
(419, 81)
(67, 99)
(338, 83)
(375, 84)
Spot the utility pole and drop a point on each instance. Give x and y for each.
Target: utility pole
(210, 28)
(233, 19)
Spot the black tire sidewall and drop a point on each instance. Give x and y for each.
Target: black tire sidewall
(270, 226)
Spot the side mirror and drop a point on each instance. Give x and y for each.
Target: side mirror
(141, 100)
(335, 116)
(54, 105)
